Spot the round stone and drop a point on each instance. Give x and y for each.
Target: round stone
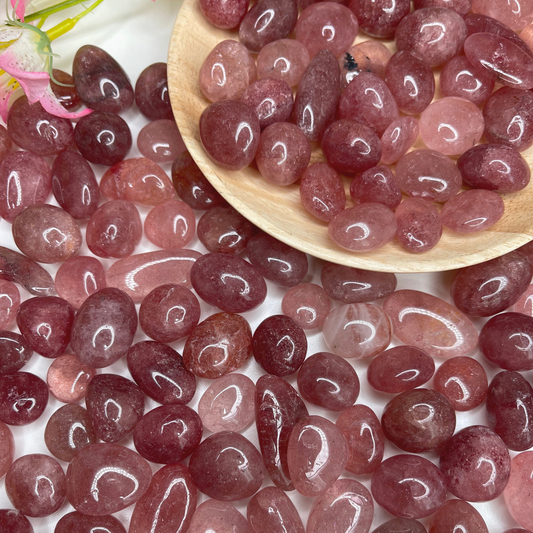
(161, 141)
(457, 514)
(378, 185)
(15, 350)
(151, 93)
(170, 225)
(218, 516)
(68, 378)
(284, 59)
(367, 56)
(9, 302)
(14, 521)
(23, 398)
(76, 522)
(307, 304)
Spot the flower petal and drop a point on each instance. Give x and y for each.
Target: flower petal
(51, 104)
(21, 7)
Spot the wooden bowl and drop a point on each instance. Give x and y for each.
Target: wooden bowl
(278, 210)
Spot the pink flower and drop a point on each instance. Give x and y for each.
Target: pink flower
(20, 7)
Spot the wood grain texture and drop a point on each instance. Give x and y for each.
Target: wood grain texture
(278, 210)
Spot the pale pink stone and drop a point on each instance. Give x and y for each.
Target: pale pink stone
(368, 56)
(451, 125)
(357, 330)
(285, 59)
(527, 36)
(228, 404)
(517, 494)
(516, 14)
(7, 449)
(398, 138)
(161, 141)
(139, 274)
(431, 324)
(68, 378)
(525, 303)
(9, 302)
(220, 517)
(307, 304)
(170, 225)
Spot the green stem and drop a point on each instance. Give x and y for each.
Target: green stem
(54, 9)
(88, 10)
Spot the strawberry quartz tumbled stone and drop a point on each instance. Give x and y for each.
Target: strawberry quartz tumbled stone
(218, 516)
(460, 6)
(368, 56)
(377, 184)
(517, 493)
(7, 449)
(284, 59)
(458, 515)
(151, 92)
(516, 15)
(396, 525)
(380, 18)
(68, 378)
(307, 304)
(14, 521)
(9, 302)
(161, 141)
(15, 350)
(79, 523)
(227, 15)
(23, 398)
(170, 225)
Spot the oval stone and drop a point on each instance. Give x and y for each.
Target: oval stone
(76, 522)
(68, 378)
(457, 515)
(15, 350)
(221, 517)
(9, 302)
(517, 494)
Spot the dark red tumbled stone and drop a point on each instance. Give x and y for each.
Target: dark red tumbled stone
(151, 93)
(381, 18)
(65, 93)
(378, 185)
(13, 521)
(227, 15)
(398, 138)
(227, 466)
(457, 515)
(15, 350)
(159, 371)
(23, 398)
(279, 345)
(76, 522)
(401, 525)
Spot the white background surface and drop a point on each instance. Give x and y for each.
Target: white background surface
(136, 33)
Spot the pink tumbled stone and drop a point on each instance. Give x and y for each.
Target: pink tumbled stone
(7, 449)
(368, 56)
(285, 59)
(225, 15)
(68, 378)
(317, 454)
(378, 185)
(79, 277)
(457, 515)
(76, 522)
(524, 304)
(460, 6)
(23, 398)
(170, 225)
(161, 141)
(15, 350)
(5, 143)
(380, 18)
(326, 25)
(228, 404)
(227, 71)
(517, 14)
(221, 517)
(363, 227)
(357, 330)
(451, 125)
(472, 211)
(345, 506)
(430, 324)
(517, 494)
(9, 302)
(527, 36)
(307, 304)
(398, 138)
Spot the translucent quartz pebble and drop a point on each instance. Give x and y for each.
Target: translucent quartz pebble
(68, 378)
(494, 167)
(508, 116)
(491, 287)
(114, 230)
(307, 304)
(411, 80)
(14, 521)
(363, 227)
(418, 420)
(161, 141)
(419, 225)
(220, 344)
(398, 138)
(271, 511)
(104, 327)
(353, 285)
(409, 486)
(428, 174)
(526, 36)
(267, 21)
(524, 304)
(403, 525)
(15, 350)
(221, 517)
(380, 19)
(516, 16)
(5, 142)
(74, 185)
(435, 33)
(366, 441)
(228, 282)
(191, 185)
(463, 381)
(78, 277)
(459, 78)
(151, 93)
(357, 330)
(227, 466)
(169, 313)
(100, 81)
(230, 132)
(9, 302)
(105, 478)
(400, 369)
(317, 95)
(431, 324)
(25, 179)
(476, 464)
(36, 485)
(46, 233)
(66, 94)
(321, 188)
(346, 505)
(138, 180)
(115, 405)
(317, 454)
(277, 261)
(227, 71)
(328, 381)
(45, 322)
(223, 229)
(510, 410)
(458, 515)
(67, 431)
(168, 504)
(517, 495)
(168, 434)
(472, 211)
(451, 125)
(140, 274)
(79, 523)
(460, 6)
(170, 225)
(368, 56)
(7, 449)
(228, 404)
(227, 15)
(285, 59)
(505, 341)
(159, 371)
(278, 408)
(34, 129)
